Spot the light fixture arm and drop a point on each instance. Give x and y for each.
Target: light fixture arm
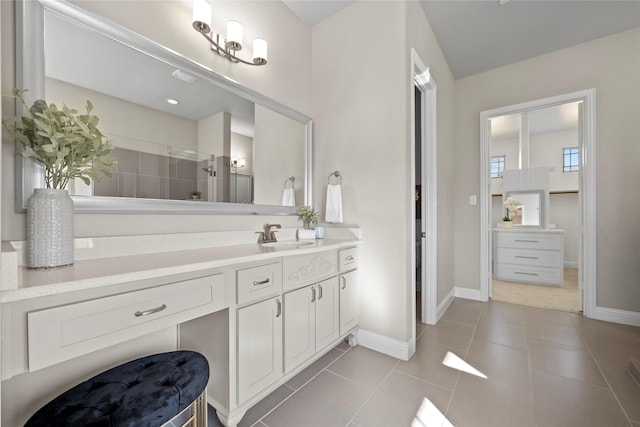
(220, 46)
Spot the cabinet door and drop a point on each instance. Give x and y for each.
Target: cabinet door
(348, 301)
(299, 326)
(259, 332)
(327, 313)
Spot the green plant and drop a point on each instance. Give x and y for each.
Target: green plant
(68, 145)
(506, 218)
(308, 216)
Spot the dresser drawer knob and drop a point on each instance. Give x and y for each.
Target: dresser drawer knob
(148, 312)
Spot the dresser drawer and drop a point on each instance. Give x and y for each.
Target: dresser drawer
(532, 274)
(259, 282)
(348, 259)
(61, 333)
(302, 270)
(530, 257)
(545, 241)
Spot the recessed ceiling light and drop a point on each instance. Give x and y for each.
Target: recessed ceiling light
(503, 2)
(173, 101)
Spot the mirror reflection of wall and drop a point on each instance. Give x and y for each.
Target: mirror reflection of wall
(176, 136)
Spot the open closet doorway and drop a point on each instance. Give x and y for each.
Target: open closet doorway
(424, 195)
(539, 155)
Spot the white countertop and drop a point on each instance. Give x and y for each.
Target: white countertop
(105, 271)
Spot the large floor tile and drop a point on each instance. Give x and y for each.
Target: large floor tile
(463, 311)
(364, 366)
(263, 407)
(569, 362)
(555, 316)
(312, 370)
(626, 390)
(449, 334)
(489, 402)
(499, 362)
(556, 332)
(560, 401)
(504, 312)
(426, 364)
(498, 332)
(326, 401)
(397, 400)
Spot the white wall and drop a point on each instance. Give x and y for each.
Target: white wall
(287, 79)
(546, 150)
(361, 104)
(214, 134)
(242, 148)
(611, 65)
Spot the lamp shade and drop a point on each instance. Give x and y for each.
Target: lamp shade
(260, 51)
(202, 13)
(234, 34)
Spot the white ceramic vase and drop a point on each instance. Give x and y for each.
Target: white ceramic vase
(49, 229)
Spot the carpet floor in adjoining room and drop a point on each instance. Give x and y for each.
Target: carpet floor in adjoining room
(564, 298)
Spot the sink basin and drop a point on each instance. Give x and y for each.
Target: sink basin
(290, 244)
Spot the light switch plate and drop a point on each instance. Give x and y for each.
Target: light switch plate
(473, 200)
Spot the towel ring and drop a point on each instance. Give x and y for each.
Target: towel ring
(335, 174)
(291, 179)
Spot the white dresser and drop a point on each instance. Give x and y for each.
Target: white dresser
(530, 256)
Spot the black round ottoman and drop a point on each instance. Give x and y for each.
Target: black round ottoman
(146, 392)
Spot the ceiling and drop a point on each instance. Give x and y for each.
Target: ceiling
(480, 35)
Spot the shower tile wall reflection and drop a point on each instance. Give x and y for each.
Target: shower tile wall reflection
(153, 176)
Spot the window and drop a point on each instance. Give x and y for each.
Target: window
(570, 159)
(497, 166)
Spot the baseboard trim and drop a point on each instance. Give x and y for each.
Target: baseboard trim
(466, 293)
(390, 346)
(617, 316)
(442, 307)
(570, 264)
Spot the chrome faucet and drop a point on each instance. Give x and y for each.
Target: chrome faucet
(268, 235)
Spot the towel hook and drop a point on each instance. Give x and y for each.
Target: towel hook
(291, 179)
(335, 174)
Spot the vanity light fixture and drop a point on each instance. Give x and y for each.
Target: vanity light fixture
(229, 46)
(238, 163)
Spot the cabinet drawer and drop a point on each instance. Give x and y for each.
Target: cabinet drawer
(524, 273)
(255, 283)
(529, 240)
(61, 333)
(302, 270)
(530, 257)
(348, 259)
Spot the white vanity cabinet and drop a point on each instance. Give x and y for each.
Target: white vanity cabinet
(531, 256)
(259, 330)
(311, 321)
(348, 301)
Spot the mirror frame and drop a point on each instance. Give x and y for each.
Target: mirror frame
(543, 207)
(30, 68)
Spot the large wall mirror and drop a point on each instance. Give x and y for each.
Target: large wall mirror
(186, 139)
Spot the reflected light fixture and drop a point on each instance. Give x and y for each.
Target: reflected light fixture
(229, 46)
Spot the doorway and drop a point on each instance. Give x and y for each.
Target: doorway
(586, 232)
(423, 187)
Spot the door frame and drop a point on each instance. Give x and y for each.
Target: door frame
(422, 79)
(587, 193)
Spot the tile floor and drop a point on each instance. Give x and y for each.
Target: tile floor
(544, 368)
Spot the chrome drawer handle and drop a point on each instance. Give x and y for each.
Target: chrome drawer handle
(313, 294)
(527, 257)
(319, 291)
(527, 241)
(148, 312)
(262, 282)
(344, 282)
(349, 258)
(278, 308)
(527, 274)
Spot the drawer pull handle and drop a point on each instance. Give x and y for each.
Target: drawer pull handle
(278, 308)
(349, 258)
(148, 312)
(262, 282)
(527, 241)
(344, 282)
(527, 257)
(313, 294)
(527, 274)
(319, 291)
